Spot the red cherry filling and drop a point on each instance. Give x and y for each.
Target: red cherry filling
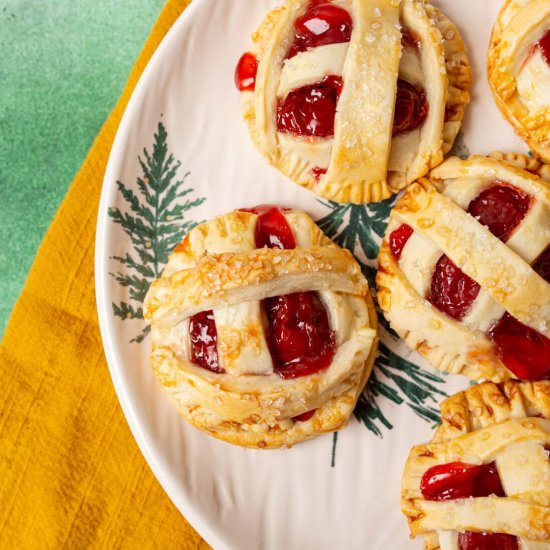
(470, 540)
(460, 480)
(523, 350)
(501, 208)
(322, 24)
(245, 72)
(304, 416)
(409, 39)
(272, 230)
(544, 46)
(317, 172)
(203, 338)
(451, 290)
(299, 337)
(310, 110)
(411, 108)
(398, 239)
(542, 264)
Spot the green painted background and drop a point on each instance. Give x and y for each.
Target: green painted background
(63, 65)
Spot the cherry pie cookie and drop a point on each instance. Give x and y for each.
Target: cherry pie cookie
(519, 70)
(483, 482)
(263, 330)
(464, 274)
(354, 99)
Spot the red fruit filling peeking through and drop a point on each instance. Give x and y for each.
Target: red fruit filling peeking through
(310, 110)
(470, 540)
(501, 208)
(203, 339)
(299, 336)
(411, 108)
(544, 46)
(398, 239)
(523, 350)
(245, 72)
(409, 39)
(323, 23)
(460, 480)
(451, 290)
(542, 264)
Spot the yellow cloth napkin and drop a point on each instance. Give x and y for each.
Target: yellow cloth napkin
(71, 474)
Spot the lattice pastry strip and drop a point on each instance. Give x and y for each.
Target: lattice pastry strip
(230, 286)
(462, 268)
(519, 70)
(354, 144)
(487, 470)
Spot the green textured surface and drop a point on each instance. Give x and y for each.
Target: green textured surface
(63, 65)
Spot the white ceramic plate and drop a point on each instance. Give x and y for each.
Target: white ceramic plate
(183, 122)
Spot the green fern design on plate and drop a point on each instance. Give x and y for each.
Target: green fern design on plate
(356, 227)
(155, 221)
(459, 148)
(360, 229)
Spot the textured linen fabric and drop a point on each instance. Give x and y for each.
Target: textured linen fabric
(71, 475)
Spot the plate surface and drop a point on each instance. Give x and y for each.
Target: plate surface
(182, 154)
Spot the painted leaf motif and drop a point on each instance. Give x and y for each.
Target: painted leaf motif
(154, 220)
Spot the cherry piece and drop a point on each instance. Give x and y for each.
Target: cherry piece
(203, 337)
(501, 208)
(398, 239)
(523, 350)
(304, 416)
(272, 229)
(451, 290)
(544, 46)
(411, 108)
(470, 540)
(322, 24)
(310, 110)
(487, 481)
(409, 39)
(299, 336)
(245, 72)
(542, 264)
(460, 480)
(317, 172)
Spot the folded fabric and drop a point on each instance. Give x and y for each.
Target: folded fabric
(71, 474)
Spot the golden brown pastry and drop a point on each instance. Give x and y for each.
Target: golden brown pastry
(519, 70)
(484, 480)
(464, 274)
(354, 99)
(263, 330)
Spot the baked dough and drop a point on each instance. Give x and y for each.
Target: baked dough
(509, 424)
(218, 267)
(440, 225)
(361, 162)
(518, 73)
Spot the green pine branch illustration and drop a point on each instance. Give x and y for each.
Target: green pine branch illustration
(459, 148)
(155, 221)
(360, 229)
